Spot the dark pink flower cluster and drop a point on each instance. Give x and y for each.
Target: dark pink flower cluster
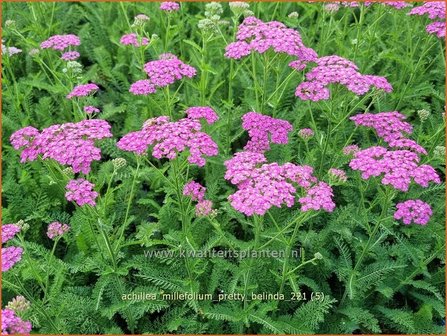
(170, 138)
(398, 167)
(254, 35)
(391, 127)
(10, 256)
(395, 4)
(435, 10)
(169, 6)
(262, 129)
(197, 193)
(81, 191)
(318, 197)
(56, 229)
(82, 90)
(14, 325)
(134, 40)
(335, 69)
(262, 185)
(413, 211)
(161, 73)
(71, 144)
(205, 112)
(70, 56)
(9, 231)
(60, 42)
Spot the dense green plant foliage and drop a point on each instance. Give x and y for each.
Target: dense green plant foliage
(359, 269)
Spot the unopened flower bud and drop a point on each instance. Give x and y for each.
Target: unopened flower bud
(423, 115)
(18, 304)
(119, 163)
(318, 256)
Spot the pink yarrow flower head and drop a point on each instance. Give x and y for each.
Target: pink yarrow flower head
(306, 133)
(194, 190)
(134, 40)
(205, 112)
(70, 56)
(82, 90)
(204, 208)
(60, 42)
(56, 229)
(91, 109)
(351, 149)
(166, 70)
(395, 4)
(81, 191)
(264, 129)
(142, 87)
(318, 197)
(9, 231)
(169, 6)
(13, 324)
(337, 70)
(413, 211)
(71, 144)
(437, 28)
(338, 174)
(10, 256)
(398, 167)
(254, 35)
(434, 10)
(170, 138)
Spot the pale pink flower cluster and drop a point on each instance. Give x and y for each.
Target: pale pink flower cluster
(161, 73)
(13, 324)
(338, 174)
(91, 109)
(205, 112)
(263, 185)
(10, 256)
(61, 42)
(81, 191)
(262, 129)
(413, 211)
(436, 11)
(197, 193)
(391, 127)
(134, 40)
(71, 144)
(9, 231)
(395, 4)
(306, 133)
(170, 138)
(351, 149)
(169, 6)
(254, 35)
(56, 229)
(398, 167)
(335, 69)
(82, 90)
(70, 56)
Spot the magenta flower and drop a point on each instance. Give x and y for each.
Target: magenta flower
(71, 144)
(413, 211)
(205, 112)
(318, 197)
(169, 6)
(60, 42)
(10, 256)
(437, 28)
(194, 190)
(262, 129)
(70, 56)
(81, 191)
(133, 39)
(314, 91)
(395, 4)
(9, 231)
(142, 87)
(82, 90)
(434, 10)
(12, 324)
(170, 138)
(56, 229)
(91, 109)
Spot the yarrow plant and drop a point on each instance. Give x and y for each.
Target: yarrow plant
(169, 6)
(56, 230)
(435, 10)
(413, 211)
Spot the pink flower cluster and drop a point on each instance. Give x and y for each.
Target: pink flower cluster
(254, 35)
(81, 191)
(395, 4)
(60, 42)
(413, 211)
(13, 325)
(306, 133)
(335, 69)
(70, 56)
(161, 73)
(262, 185)
(133, 39)
(91, 109)
(205, 112)
(170, 138)
(10, 256)
(435, 10)
(9, 231)
(169, 6)
(398, 167)
(351, 149)
(82, 90)
(262, 129)
(71, 144)
(391, 127)
(56, 229)
(197, 193)
(338, 174)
